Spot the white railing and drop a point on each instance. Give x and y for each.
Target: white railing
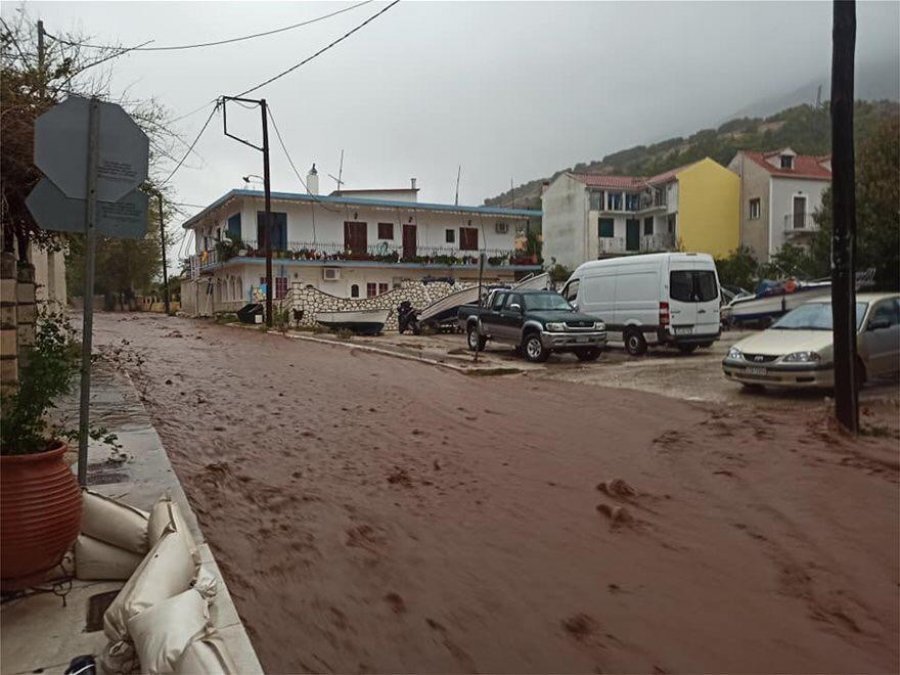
(663, 241)
(610, 245)
(799, 222)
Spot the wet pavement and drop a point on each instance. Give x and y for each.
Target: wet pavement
(374, 514)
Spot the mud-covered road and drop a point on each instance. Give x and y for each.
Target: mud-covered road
(377, 515)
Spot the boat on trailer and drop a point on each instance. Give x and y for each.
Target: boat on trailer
(773, 300)
(360, 321)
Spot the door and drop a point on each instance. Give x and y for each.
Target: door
(409, 242)
(881, 346)
(509, 321)
(490, 319)
(355, 237)
(799, 213)
(693, 299)
(279, 230)
(632, 235)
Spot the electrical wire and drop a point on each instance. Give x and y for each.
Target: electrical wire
(294, 167)
(191, 148)
(216, 43)
(321, 51)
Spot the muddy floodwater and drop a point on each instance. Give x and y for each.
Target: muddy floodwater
(378, 515)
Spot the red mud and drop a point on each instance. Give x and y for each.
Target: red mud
(373, 514)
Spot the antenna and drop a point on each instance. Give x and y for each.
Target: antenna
(340, 176)
(512, 194)
(819, 98)
(458, 173)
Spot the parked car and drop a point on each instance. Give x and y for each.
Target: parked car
(538, 322)
(669, 299)
(797, 350)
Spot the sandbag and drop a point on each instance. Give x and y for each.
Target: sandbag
(95, 559)
(113, 522)
(117, 658)
(206, 655)
(166, 571)
(162, 632)
(165, 513)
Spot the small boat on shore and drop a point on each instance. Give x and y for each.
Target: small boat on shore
(772, 300)
(360, 321)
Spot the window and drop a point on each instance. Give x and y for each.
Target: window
(354, 291)
(371, 290)
(234, 227)
(385, 230)
(598, 201)
(498, 300)
(632, 201)
(648, 226)
(468, 238)
(570, 292)
(886, 310)
(693, 286)
(280, 287)
(279, 230)
(355, 237)
(513, 299)
(787, 162)
(450, 236)
(671, 220)
(614, 201)
(606, 227)
(755, 209)
(382, 288)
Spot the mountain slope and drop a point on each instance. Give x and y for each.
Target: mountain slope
(804, 128)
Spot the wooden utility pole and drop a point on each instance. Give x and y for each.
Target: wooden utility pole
(843, 244)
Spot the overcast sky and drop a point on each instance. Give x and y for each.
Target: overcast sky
(506, 89)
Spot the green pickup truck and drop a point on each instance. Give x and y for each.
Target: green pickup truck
(537, 322)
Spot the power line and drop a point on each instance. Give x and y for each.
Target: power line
(191, 148)
(294, 167)
(321, 51)
(216, 43)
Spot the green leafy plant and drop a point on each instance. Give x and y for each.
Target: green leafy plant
(739, 268)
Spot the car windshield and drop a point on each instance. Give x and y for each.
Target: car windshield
(815, 316)
(547, 301)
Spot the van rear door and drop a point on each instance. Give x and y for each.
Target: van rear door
(693, 298)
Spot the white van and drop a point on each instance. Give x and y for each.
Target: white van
(657, 299)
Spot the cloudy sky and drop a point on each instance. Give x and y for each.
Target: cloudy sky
(505, 89)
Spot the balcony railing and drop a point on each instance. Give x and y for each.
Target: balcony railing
(664, 241)
(385, 252)
(651, 243)
(799, 223)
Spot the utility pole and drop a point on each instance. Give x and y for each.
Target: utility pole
(458, 174)
(41, 57)
(162, 243)
(843, 243)
(267, 218)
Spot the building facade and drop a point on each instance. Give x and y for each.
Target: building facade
(350, 244)
(780, 192)
(692, 208)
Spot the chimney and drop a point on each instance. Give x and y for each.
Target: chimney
(312, 181)
(412, 183)
(544, 186)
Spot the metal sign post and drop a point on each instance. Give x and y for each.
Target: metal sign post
(88, 327)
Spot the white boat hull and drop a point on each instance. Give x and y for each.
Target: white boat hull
(767, 307)
(366, 321)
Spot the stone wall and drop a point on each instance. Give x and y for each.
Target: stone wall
(312, 301)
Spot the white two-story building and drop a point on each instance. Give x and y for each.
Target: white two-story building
(349, 244)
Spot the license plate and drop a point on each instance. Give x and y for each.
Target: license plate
(582, 339)
(684, 330)
(755, 370)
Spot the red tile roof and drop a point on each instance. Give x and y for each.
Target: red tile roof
(805, 166)
(613, 182)
(668, 175)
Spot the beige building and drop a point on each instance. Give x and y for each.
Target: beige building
(780, 192)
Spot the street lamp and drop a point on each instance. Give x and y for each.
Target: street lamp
(247, 178)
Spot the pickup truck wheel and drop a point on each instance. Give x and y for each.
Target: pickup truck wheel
(635, 344)
(587, 353)
(534, 349)
(475, 340)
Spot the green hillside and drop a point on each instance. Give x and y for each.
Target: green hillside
(805, 128)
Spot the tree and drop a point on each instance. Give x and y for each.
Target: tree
(877, 208)
(29, 86)
(738, 269)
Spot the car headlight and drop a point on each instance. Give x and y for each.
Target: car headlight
(556, 326)
(735, 353)
(802, 357)
(599, 325)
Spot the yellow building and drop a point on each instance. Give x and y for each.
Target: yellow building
(694, 208)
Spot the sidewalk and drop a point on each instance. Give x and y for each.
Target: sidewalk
(42, 633)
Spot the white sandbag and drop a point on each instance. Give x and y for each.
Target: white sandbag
(117, 658)
(165, 513)
(162, 632)
(206, 583)
(166, 571)
(95, 559)
(114, 522)
(206, 655)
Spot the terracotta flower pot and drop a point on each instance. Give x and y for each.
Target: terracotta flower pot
(40, 515)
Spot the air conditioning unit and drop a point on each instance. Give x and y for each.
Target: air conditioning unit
(331, 273)
(502, 228)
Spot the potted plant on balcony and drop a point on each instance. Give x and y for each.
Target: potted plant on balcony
(40, 501)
